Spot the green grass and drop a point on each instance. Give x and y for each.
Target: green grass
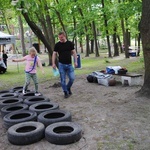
(15, 75)
(119, 145)
(90, 64)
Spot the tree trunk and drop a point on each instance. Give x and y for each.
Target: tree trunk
(120, 44)
(126, 44)
(107, 32)
(87, 46)
(50, 32)
(81, 45)
(86, 32)
(129, 38)
(95, 39)
(138, 49)
(125, 39)
(6, 21)
(22, 36)
(75, 35)
(116, 51)
(92, 46)
(38, 32)
(108, 43)
(145, 36)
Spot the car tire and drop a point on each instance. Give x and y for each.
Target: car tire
(28, 94)
(5, 91)
(8, 95)
(25, 133)
(12, 108)
(17, 117)
(53, 116)
(43, 106)
(10, 101)
(63, 133)
(20, 91)
(35, 99)
(16, 88)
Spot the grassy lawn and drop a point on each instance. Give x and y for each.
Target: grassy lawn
(89, 64)
(15, 74)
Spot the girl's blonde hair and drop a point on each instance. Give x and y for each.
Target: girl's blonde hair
(32, 50)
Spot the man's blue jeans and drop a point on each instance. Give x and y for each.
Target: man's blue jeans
(66, 70)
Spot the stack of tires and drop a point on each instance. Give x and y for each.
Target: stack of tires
(28, 119)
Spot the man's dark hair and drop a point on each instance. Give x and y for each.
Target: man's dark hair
(62, 32)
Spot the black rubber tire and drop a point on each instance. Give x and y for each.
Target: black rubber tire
(8, 109)
(28, 94)
(89, 78)
(95, 80)
(53, 116)
(10, 101)
(17, 117)
(25, 133)
(5, 91)
(20, 91)
(63, 133)
(16, 88)
(8, 95)
(43, 106)
(35, 99)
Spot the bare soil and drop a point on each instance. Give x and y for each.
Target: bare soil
(112, 118)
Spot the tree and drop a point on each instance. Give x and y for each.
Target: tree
(45, 35)
(81, 20)
(145, 35)
(107, 31)
(6, 15)
(22, 35)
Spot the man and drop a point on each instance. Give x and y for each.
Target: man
(4, 55)
(2, 65)
(65, 49)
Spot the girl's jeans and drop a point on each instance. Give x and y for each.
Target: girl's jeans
(66, 69)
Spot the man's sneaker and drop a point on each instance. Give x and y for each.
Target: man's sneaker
(37, 94)
(23, 92)
(69, 92)
(66, 95)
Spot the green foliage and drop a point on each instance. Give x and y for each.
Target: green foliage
(69, 11)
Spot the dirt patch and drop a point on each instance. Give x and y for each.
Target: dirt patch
(112, 118)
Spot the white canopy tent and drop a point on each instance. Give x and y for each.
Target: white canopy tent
(6, 38)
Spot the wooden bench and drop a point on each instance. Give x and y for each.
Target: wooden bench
(130, 78)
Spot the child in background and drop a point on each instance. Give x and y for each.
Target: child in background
(32, 60)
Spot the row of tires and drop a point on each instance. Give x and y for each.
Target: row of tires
(30, 118)
(29, 132)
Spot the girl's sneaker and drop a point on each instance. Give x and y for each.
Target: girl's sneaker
(23, 92)
(37, 94)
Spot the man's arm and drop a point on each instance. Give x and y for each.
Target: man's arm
(75, 57)
(53, 59)
(40, 65)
